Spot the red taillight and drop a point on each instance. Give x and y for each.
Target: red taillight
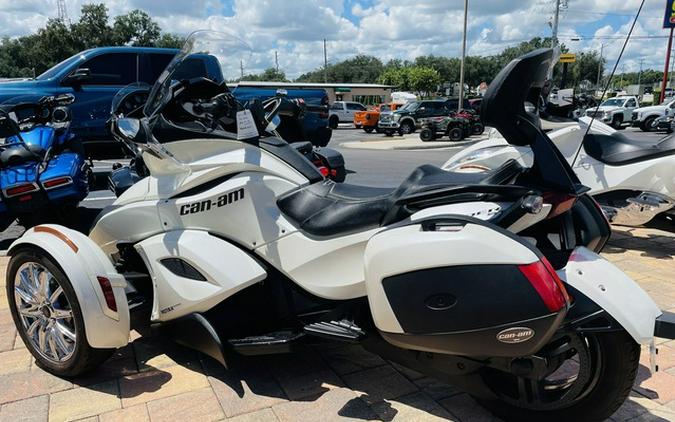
(560, 202)
(108, 293)
(19, 189)
(59, 181)
(546, 282)
(25, 198)
(324, 171)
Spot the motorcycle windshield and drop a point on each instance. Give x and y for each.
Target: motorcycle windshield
(217, 56)
(130, 99)
(17, 109)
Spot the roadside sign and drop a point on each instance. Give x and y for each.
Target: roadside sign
(669, 18)
(569, 57)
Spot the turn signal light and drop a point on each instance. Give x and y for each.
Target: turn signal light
(19, 189)
(546, 282)
(560, 203)
(108, 293)
(59, 181)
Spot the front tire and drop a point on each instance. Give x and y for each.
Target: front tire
(617, 123)
(612, 363)
(333, 122)
(406, 128)
(48, 316)
(427, 135)
(455, 134)
(369, 129)
(477, 128)
(646, 126)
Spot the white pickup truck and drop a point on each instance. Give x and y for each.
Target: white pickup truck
(644, 117)
(617, 111)
(343, 112)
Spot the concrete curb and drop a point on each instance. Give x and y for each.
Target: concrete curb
(406, 144)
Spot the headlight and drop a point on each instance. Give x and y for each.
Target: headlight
(396, 117)
(608, 114)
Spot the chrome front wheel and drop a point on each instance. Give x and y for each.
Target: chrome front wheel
(45, 312)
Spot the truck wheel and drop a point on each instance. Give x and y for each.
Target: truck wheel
(427, 135)
(406, 128)
(369, 129)
(590, 381)
(333, 122)
(455, 134)
(617, 123)
(646, 126)
(47, 315)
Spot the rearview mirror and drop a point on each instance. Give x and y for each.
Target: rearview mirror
(130, 130)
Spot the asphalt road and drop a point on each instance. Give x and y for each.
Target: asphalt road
(364, 167)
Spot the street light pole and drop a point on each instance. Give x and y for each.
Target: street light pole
(556, 16)
(460, 101)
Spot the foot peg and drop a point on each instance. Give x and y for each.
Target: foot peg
(343, 330)
(266, 344)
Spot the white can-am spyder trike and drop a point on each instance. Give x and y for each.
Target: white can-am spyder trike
(241, 246)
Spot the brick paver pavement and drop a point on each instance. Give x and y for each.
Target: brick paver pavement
(151, 380)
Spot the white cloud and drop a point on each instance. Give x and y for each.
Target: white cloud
(386, 28)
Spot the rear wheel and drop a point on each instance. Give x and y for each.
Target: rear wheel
(455, 134)
(589, 378)
(369, 129)
(48, 316)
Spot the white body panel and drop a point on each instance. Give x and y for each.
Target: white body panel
(408, 248)
(104, 328)
(226, 268)
(613, 291)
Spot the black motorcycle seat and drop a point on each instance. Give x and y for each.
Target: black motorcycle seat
(17, 154)
(331, 209)
(617, 149)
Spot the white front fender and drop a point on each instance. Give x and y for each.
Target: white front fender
(82, 261)
(621, 297)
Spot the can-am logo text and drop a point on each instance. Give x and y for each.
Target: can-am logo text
(207, 204)
(515, 335)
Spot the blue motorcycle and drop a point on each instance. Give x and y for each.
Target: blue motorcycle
(43, 171)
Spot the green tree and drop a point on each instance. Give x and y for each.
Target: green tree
(92, 30)
(398, 77)
(269, 75)
(135, 28)
(423, 80)
(170, 41)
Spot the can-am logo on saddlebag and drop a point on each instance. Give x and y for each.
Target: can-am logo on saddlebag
(515, 335)
(207, 204)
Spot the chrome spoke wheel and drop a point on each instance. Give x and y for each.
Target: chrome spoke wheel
(45, 312)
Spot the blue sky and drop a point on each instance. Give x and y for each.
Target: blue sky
(384, 28)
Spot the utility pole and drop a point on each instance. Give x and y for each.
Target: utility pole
(460, 101)
(325, 62)
(640, 76)
(597, 84)
(241, 67)
(554, 27)
(276, 60)
(665, 69)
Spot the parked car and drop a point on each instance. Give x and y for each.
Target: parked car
(617, 111)
(645, 117)
(95, 76)
(368, 119)
(407, 118)
(663, 124)
(343, 112)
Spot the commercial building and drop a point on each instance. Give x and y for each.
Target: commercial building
(363, 93)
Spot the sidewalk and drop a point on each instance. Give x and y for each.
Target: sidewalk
(150, 380)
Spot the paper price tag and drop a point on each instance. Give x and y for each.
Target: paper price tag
(246, 128)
